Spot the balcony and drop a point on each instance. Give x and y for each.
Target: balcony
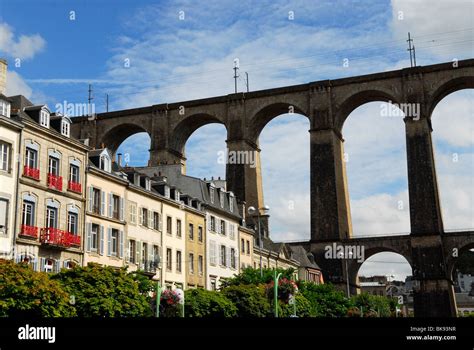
(31, 172)
(55, 182)
(55, 237)
(149, 266)
(74, 186)
(29, 231)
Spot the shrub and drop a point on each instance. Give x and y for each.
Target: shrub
(250, 300)
(252, 276)
(303, 308)
(104, 292)
(206, 303)
(325, 299)
(373, 305)
(29, 293)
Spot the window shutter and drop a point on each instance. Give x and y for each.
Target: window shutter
(101, 240)
(160, 224)
(88, 241)
(42, 262)
(35, 264)
(91, 198)
(128, 251)
(57, 265)
(150, 219)
(140, 213)
(121, 243)
(102, 203)
(138, 248)
(17, 258)
(111, 205)
(208, 218)
(228, 252)
(65, 263)
(122, 204)
(109, 241)
(212, 246)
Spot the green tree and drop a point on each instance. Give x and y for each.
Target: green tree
(250, 300)
(206, 303)
(252, 276)
(374, 305)
(105, 292)
(325, 299)
(304, 308)
(29, 293)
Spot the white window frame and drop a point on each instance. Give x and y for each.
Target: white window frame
(4, 216)
(32, 206)
(76, 178)
(31, 158)
(70, 224)
(65, 128)
(44, 118)
(5, 156)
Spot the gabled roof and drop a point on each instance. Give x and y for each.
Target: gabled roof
(305, 258)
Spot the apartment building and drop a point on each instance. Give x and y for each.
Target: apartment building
(51, 191)
(10, 136)
(105, 233)
(195, 244)
(246, 238)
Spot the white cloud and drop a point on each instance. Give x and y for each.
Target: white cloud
(24, 47)
(16, 85)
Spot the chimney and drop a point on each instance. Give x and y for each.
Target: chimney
(3, 75)
(119, 159)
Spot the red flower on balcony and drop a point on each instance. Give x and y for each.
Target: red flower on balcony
(29, 231)
(74, 187)
(55, 181)
(31, 172)
(57, 237)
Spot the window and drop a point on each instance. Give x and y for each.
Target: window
(5, 155)
(95, 237)
(144, 217)
(3, 215)
(74, 173)
(28, 213)
(156, 256)
(231, 231)
(44, 119)
(242, 246)
(213, 284)
(104, 163)
(144, 254)
(167, 192)
(65, 128)
(233, 259)
(223, 227)
(213, 224)
(115, 207)
(132, 248)
(132, 207)
(72, 220)
(156, 221)
(223, 256)
(212, 253)
(191, 232)
(178, 261)
(169, 225)
(114, 242)
(96, 201)
(4, 107)
(200, 238)
(231, 202)
(31, 158)
(222, 197)
(211, 193)
(191, 263)
(200, 264)
(51, 217)
(53, 166)
(248, 247)
(178, 228)
(169, 261)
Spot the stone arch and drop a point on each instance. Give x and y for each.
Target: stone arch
(185, 128)
(358, 99)
(267, 113)
(451, 261)
(114, 136)
(448, 87)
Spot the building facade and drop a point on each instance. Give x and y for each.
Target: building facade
(51, 191)
(246, 238)
(195, 248)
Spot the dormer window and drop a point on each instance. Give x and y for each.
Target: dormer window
(65, 127)
(231, 201)
(222, 196)
(177, 196)
(104, 163)
(44, 118)
(167, 192)
(5, 108)
(148, 184)
(211, 193)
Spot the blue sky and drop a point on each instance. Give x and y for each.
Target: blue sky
(175, 58)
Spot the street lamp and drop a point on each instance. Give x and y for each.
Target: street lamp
(347, 272)
(275, 291)
(254, 212)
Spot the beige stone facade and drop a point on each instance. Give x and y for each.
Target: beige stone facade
(246, 241)
(195, 248)
(50, 198)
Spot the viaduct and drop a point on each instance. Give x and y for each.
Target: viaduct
(327, 104)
